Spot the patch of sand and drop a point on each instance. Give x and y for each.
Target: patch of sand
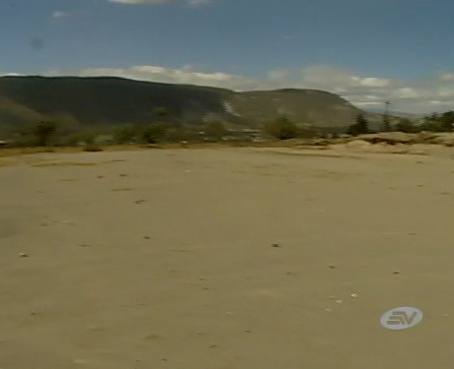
(225, 258)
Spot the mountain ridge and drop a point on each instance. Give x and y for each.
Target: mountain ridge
(108, 100)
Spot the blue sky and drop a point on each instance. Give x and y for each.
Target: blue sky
(366, 50)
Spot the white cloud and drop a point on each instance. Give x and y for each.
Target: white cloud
(198, 2)
(278, 74)
(417, 96)
(324, 77)
(446, 91)
(442, 105)
(11, 74)
(367, 104)
(57, 14)
(406, 93)
(374, 82)
(185, 75)
(447, 77)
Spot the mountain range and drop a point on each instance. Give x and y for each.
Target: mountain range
(114, 101)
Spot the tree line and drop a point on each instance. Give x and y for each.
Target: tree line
(432, 123)
(49, 133)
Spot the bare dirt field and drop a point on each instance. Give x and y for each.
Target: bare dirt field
(225, 258)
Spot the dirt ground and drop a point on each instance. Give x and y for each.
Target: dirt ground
(229, 258)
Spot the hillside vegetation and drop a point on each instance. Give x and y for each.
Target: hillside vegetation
(116, 101)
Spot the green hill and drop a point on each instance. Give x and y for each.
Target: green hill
(317, 108)
(113, 101)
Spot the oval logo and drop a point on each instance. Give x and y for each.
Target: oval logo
(401, 318)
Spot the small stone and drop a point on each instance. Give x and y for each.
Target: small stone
(80, 361)
(147, 237)
(339, 301)
(396, 272)
(332, 297)
(354, 295)
(95, 328)
(275, 245)
(23, 255)
(332, 266)
(153, 337)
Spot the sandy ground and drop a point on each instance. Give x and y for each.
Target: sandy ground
(165, 259)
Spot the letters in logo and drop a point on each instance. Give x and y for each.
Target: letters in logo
(401, 318)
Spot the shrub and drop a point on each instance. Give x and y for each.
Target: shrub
(92, 148)
(215, 130)
(43, 131)
(183, 133)
(360, 127)
(282, 128)
(405, 125)
(125, 134)
(155, 133)
(439, 122)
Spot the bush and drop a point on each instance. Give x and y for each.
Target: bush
(282, 128)
(215, 130)
(405, 125)
(43, 131)
(92, 148)
(309, 132)
(155, 133)
(439, 122)
(125, 134)
(360, 127)
(179, 134)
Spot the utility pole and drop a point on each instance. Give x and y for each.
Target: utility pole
(386, 120)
